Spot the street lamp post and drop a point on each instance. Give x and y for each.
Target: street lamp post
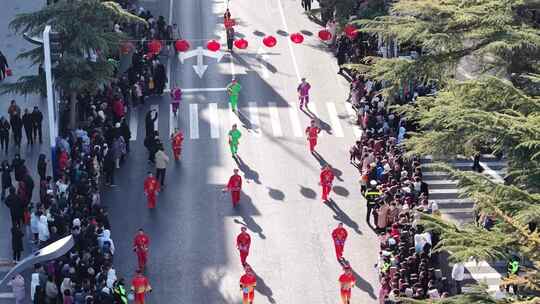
(51, 106)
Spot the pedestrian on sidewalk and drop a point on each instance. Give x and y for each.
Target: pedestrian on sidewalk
(3, 66)
(109, 167)
(243, 242)
(6, 177)
(28, 126)
(458, 273)
(125, 132)
(149, 122)
(4, 134)
(17, 242)
(16, 207)
(161, 165)
(16, 127)
(37, 119)
(18, 288)
(234, 140)
(233, 89)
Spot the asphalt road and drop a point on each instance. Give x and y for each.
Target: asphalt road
(193, 257)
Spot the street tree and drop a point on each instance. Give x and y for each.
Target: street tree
(87, 42)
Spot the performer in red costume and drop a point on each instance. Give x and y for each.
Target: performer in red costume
(235, 187)
(140, 287)
(346, 282)
(326, 179)
(243, 241)
(151, 190)
(247, 284)
(140, 246)
(176, 142)
(312, 133)
(339, 235)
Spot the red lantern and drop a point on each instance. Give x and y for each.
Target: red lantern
(325, 35)
(350, 30)
(213, 45)
(181, 45)
(241, 43)
(269, 41)
(297, 38)
(154, 46)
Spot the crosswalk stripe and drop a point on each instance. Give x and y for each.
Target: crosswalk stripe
(173, 121)
(254, 119)
(334, 120)
(233, 118)
(193, 120)
(7, 295)
(313, 109)
(274, 119)
(352, 120)
(133, 123)
(295, 121)
(214, 120)
(156, 109)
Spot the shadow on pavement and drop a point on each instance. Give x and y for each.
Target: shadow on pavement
(249, 174)
(276, 194)
(341, 191)
(343, 217)
(364, 285)
(308, 192)
(264, 289)
(244, 210)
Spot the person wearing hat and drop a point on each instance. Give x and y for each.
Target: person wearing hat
(243, 242)
(371, 200)
(312, 132)
(140, 246)
(151, 190)
(234, 140)
(303, 92)
(140, 287)
(233, 89)
(235, 187)
(339, 235)
(248, 281)
(346, 282)
(326, 179)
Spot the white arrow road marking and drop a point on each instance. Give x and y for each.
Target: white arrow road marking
(254, 119)
(156, 109)
(213, 120)
(334, 119)
(274, 118)
(295, 121)
(352, 120)
(216, 55)
(200, 68)
(193, 120)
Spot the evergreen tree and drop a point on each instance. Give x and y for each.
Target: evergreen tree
(85, 28)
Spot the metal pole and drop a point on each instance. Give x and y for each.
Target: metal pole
(51, 109)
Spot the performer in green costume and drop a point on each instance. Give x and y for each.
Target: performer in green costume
(233, 89)
(234, 136)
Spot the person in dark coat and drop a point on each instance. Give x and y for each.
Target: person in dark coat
(18, 167)
(149, 122)
(3, 66)
(160, 78)
(16, 127)
(16, 207)
(17, 242)
(6, 177)
(4, 134)
(126, 133)
(37, 119)
(230, 38)
(42, 166)
(28, 126)
(109, 167)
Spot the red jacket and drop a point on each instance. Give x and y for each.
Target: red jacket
(235, 183)
(243, 241)
(339, 235)
(151, 185)
(327, 177)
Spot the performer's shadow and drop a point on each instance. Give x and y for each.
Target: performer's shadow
(342, 216)
(245, 210)
(363, 285)
(321, 123)
(249, 174)
(264, 289)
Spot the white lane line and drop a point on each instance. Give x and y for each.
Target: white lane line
(274, 118)
(352, 120)
(334, 120)
(193, 90)
(254, 119)
(168, 84)
(233, 119)
(7, 295)
(289, 42)
(193, 120)
(156, 110)
(133, 123)
(214, 120)
(173, 121)
(263, 58)
(233, 71)
(295, 121)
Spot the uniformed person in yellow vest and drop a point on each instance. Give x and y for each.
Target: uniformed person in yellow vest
(372, 195)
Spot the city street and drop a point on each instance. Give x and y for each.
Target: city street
(193, 257)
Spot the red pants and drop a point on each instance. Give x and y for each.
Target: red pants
(312, 143)
(139, 298)
(325, 191)
(176, 153)
(248, 296)
(152, 199)
(303, 99)
(235, 197)
(339, 251)
(142, 256)
(345, 294)
(243, 256)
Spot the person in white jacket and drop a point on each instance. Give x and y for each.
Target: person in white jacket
(43, 230)
(106, 237)
(17, 285)
(458, 273)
